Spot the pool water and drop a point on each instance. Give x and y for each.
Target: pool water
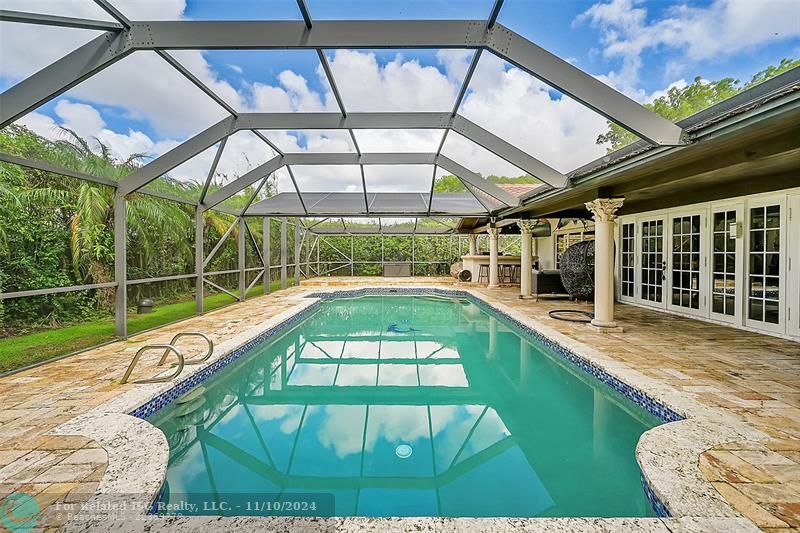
(404, 406)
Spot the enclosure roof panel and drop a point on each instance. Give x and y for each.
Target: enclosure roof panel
(353, 204)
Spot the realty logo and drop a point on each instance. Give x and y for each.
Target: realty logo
(19, 512)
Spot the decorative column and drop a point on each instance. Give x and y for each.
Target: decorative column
(526, 245)
(605, 213)
(494, 275)
(473, 244)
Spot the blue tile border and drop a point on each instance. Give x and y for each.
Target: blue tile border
(638, 397)
(655, 502)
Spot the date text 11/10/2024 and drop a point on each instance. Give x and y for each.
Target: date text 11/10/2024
(285, 504)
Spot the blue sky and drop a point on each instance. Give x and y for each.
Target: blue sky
(639, 47)
(550, 23)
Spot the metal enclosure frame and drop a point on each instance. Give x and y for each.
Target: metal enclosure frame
(124, 37)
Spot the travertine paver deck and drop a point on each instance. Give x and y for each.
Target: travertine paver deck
(753, 376)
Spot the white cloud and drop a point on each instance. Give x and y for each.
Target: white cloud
(520, 109)
(87, 123)
(723, 28)
(399, 85)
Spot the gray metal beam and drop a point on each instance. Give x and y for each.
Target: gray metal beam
(181, 153)
(267, 141)
(55, 20)
(240, 246)
(583, 87)
(55, 169)
(297, 245)
(477, 181)
(301, 4)
(323, 60)
(297, 188)
(199, 256)
(219, 244)
(62, 75)
(342, 158)
(174, 63)
(153, 35)
(55, 290)
(498, 4)
(298, 121)
(47, 167)
(267, 247)
(247, 34)
(114, 12)
(213, 169)
(509, 152)
(283, 251)
(336, 121)
(120, 266)
(244, 181)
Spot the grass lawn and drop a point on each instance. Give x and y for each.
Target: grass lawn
(17, 352)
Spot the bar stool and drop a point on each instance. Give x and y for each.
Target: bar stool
(506, 273)
(483, 273)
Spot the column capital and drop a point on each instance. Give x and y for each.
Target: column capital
(604, 209)
(526, 226)
(493, 232)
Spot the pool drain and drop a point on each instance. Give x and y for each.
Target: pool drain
(403, 451)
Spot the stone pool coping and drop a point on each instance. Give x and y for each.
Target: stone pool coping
(667, 454)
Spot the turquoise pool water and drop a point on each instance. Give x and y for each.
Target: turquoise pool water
(403, 406)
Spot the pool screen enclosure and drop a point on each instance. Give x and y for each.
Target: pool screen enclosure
(481, 198)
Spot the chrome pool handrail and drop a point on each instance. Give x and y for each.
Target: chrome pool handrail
(197, 360)
(167, 348)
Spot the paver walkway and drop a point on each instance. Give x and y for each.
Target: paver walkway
(753, 376)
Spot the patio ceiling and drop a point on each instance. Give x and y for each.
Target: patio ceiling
(483, 197)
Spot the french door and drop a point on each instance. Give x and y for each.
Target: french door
(687, 263)
(765, 286)
(652, 262)
(793, 267)
(627, 261)
(727, 246)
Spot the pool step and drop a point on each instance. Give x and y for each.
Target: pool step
(191, 395)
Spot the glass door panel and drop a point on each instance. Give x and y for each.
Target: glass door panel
(793, 240)
(628, 261)
(765, 258)
(725, 229)
(685, 288)
(652, 262)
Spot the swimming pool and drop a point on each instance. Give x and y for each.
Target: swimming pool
(403, 406)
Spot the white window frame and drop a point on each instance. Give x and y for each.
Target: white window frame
(618, 270)
(738, 206)
(761, 201)
(793, 266)
(639, 260)
(703, 290)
